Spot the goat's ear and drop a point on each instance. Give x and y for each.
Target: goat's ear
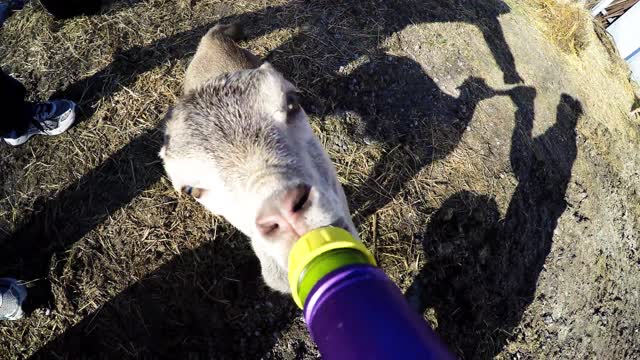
(273, 88)
(166, 137)
(267, 66)
(163, 151)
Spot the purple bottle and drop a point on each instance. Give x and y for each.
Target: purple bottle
(351, 307)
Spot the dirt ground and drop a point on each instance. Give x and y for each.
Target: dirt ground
(493, 175)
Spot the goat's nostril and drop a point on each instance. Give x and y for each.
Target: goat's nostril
(282, 216)
(302, 197)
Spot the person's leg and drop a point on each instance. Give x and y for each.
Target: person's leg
(65, 9)
(24, 119)
(7, 7)
(15, 108)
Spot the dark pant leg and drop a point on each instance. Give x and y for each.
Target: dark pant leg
(15, 111)
(65, 9)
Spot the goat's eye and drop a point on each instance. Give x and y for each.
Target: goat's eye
(293, 103)
(193, 191)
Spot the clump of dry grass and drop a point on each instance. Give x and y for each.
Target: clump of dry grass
(567, 24)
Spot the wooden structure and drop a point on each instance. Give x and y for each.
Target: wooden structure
(608, 11)
(625, 33)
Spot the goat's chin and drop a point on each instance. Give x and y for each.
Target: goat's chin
(274, 275)
(278, 284)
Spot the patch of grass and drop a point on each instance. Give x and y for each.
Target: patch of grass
(567, 24)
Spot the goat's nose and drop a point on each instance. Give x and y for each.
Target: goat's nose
(285, 212)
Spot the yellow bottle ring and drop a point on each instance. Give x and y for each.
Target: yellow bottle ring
(313, 244)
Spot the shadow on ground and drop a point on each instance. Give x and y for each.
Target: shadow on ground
(194, 305)
(162, 316)
(482, 270)
(405, 110)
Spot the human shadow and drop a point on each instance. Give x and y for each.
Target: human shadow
(176, 312)
(404, 110)
(57, 224)
(128, 64)
(388, 18)
(484, 15)
(481, 270)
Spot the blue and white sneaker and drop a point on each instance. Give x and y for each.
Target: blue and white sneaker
(12, 295)
(49, 118)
